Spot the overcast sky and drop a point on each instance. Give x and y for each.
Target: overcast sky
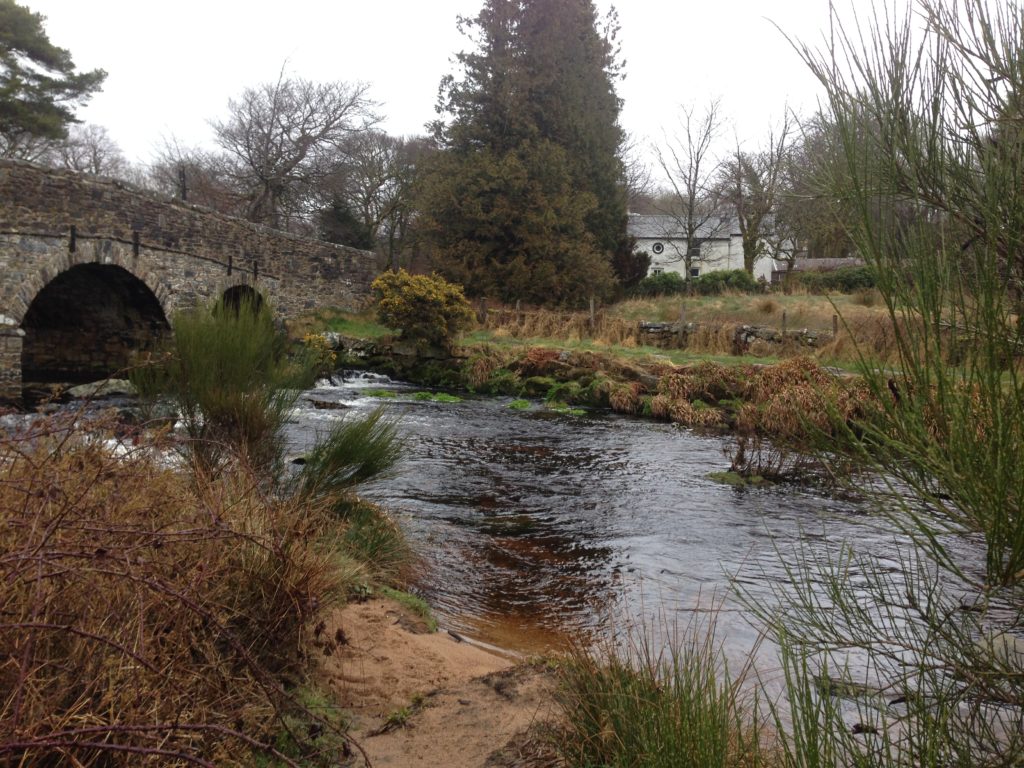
(172, 66)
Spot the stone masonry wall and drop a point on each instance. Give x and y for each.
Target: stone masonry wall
(10, 362)
(52, 220)
(43, 202)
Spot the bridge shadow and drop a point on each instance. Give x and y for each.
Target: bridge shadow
(87, 323)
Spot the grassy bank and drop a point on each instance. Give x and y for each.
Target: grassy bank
(165, 594)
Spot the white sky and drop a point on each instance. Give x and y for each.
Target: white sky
(172, 66)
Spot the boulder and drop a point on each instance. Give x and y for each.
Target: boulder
(105, 388)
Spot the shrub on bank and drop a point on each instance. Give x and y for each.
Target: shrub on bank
(843, 280)
(156, 615)
(662, 284)
(228, 372)
(643, 705)
(425, 308)
(149, 617)
(721, 281)
(709, 284)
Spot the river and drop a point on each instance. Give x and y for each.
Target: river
(535, 526)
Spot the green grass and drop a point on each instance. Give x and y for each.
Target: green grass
(316, 713)
(802, 310)
(362, 325)
(383, 394)
(565, 410)
(642, 705)
(638, 353)
(736, 480)
(436, 397)
(375, 540)
(416, 605)
(520, 405)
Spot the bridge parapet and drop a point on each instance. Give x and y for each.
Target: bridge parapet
(46, 202)
(53, 221)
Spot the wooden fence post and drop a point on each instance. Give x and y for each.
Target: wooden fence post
(783, 325)
(835, 327)
(593, 318)
(681, 336)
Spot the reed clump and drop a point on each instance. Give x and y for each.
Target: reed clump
(648, 703)
(229, 372)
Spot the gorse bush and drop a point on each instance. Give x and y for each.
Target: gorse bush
(661, 284)
(427, 309)
(721, 281)
(228, 372)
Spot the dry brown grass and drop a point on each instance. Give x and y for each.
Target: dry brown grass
(485, 361)
(865, 328)
(625, 398)
(792, 399)
(149, 616)
(569, 326)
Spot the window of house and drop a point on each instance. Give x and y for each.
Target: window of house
(656, 270)
(658, 249)
(694, 271)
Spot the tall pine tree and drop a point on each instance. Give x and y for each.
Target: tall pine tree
(535, 97)
(39, 86)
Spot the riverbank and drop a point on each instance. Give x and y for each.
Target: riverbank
(416, 697)
(793, 402)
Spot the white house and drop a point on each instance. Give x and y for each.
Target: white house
(718, 245)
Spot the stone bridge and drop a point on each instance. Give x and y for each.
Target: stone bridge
(91, 271)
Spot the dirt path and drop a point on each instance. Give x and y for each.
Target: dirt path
(430, 699)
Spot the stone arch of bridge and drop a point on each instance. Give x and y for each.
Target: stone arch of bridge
(60, 259)
(235, 296)
(88, 322)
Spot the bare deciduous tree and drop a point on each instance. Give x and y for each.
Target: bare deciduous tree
(691, 168)
(372, 179)
(89, 149)
(750, 183)
(806, 221)
(278, 139)
(194, 175)
(636, 174)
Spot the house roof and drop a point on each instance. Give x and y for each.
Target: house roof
(665, 227)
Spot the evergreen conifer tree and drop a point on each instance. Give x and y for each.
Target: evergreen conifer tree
(536, 100)
(38, 83)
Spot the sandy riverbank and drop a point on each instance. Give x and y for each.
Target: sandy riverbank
(421, 698)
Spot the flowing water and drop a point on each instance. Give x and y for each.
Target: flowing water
(535, 526)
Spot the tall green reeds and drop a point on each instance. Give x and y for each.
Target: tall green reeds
(918, 660)
(927, 160)
(352, 452)
(228, 372)
(657, 703)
